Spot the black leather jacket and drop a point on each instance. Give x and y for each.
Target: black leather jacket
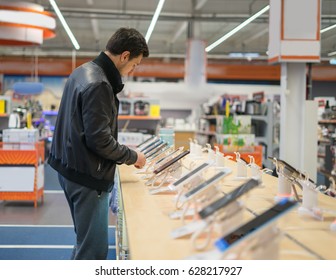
(84, 147)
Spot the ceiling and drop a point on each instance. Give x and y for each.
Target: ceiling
(94, 21)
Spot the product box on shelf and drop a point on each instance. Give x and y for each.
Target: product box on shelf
(139, 107)
(20, 139)
(236, 142)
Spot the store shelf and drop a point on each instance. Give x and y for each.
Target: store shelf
(327, 121)
(138, 118)
(210, 133)
(29, 163)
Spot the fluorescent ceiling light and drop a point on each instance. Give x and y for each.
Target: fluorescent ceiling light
(332, 53)
(154, 20)
(236, 29)
(65, 25)
(328, 28)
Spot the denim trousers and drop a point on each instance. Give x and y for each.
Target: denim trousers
(89, 211)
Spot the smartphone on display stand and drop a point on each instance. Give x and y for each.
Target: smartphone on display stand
(146, 141)
(149, 144)
(227, 199)
(189, 176)
(252, 227)
(156, 150)
(204, 186)
(171, 162)
(152, 147)
(288, 170)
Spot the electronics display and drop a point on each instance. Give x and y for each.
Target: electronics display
(230, 197)
(204, 186)
(184, 179)
(149, 144)
(161, 152)
(288, 170)
(170, 162)
(152, 147)
(146, 141)
(166, 158)
(254, 225)
(156, 150)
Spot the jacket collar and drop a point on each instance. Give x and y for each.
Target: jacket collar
(110, 71)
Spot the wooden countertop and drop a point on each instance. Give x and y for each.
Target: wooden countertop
(149, 226)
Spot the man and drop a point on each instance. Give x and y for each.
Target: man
(85, 149)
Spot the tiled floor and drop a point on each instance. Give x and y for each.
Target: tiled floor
(53, 212)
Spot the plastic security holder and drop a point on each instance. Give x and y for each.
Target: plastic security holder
(256, 171)
(220, 159)
(167, 176)
(211, 152)
(222, 221)
(262, 246)
(309, 205)
(241, 167)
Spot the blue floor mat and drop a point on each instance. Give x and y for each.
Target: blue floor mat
(28, 242)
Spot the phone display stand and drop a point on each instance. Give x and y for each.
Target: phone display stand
(150, 165)
(218, 224)
(256, 171)
(167, 176)
(195, 150)
(284, 187)
(264, 245)
(220, 159)
(199, 202)
(309, 205)
(241, 168)
(190, 208)
(211, 152)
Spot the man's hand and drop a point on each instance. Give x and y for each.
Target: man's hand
(141, 161)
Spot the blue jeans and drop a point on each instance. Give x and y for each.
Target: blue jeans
(89, 211)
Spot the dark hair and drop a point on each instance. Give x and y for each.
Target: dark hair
(127, 39)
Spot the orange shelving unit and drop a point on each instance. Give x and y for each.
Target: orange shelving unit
(22, 171)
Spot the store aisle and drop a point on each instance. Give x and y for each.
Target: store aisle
(45, 232)
(42, 242)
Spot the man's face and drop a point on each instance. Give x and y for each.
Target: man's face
(127, 65)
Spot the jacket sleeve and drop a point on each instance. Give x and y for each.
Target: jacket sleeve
(97, 112)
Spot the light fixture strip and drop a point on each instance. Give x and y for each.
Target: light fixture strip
(332, 53)
(236, 29)
(154, 20)
(328, 28)
(65, 25)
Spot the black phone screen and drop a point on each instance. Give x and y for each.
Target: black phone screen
(169, 163)
(226, 200)
(269, 215)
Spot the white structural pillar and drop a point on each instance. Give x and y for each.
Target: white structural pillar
(293, 89)
(294, 41)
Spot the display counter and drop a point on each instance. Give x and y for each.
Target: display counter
(148, 224)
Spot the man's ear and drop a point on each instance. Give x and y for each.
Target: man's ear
(124, 57)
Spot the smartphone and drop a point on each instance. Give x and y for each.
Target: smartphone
(146, 141)
(170, 162)
(288, 170)
(191, 174)
(253, 226)
(204, 186)
(167, 157)
(149, 144)
(160, 154)
(227, 199)
(152, 147)
(156, 150)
